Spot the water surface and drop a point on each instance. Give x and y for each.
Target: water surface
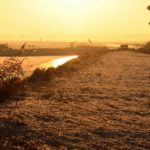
(45, 62)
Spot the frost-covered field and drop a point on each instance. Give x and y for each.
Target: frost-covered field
(104, 104)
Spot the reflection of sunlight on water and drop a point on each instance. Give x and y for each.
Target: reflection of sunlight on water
(58, 62)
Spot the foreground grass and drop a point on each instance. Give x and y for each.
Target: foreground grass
(103, 103)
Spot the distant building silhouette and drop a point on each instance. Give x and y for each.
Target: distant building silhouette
(124, 47)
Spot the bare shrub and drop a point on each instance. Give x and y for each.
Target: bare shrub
(11, 69)
(11, 74)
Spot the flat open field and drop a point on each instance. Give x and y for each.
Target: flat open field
(104, 103)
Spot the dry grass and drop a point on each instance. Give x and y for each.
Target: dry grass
(102, 104)
(39, 75)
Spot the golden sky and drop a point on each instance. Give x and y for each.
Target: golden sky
(59, 20)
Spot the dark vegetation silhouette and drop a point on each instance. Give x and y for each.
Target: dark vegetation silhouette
(11, 75)
(148, 7)
(146, 47)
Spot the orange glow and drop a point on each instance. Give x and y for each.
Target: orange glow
(57, 62)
